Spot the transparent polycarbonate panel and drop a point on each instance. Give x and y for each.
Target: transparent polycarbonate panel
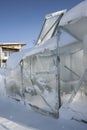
(79, 102)
(71, 69)
(14, 82)
(39, 78)
(48, 24)
(71, 63)
(48, 35)
(34, 81)
(77, 63)
(66, 38)
(48, 29)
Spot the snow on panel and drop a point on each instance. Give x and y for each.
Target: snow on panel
(15, 58)
(75, 13)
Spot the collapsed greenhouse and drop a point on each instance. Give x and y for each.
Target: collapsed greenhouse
(54, 71)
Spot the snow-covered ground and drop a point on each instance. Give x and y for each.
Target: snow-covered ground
(15, 115)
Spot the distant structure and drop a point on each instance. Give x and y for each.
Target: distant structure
(6, 49)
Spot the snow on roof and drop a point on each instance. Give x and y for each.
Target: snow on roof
(15, 58)
(55, 14)
(12, 43)
(75, 13)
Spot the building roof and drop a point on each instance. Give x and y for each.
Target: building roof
(12, 43)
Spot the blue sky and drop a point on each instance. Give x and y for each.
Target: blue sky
(21, 20)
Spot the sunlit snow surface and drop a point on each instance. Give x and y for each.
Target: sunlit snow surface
(18, 116)
(6, 124)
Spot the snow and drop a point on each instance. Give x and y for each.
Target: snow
(75, 13)
(13, 114)
(19, 116)
(6, 124)
(55, 14)
(15, 58)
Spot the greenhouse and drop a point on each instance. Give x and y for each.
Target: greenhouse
(54, 71)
